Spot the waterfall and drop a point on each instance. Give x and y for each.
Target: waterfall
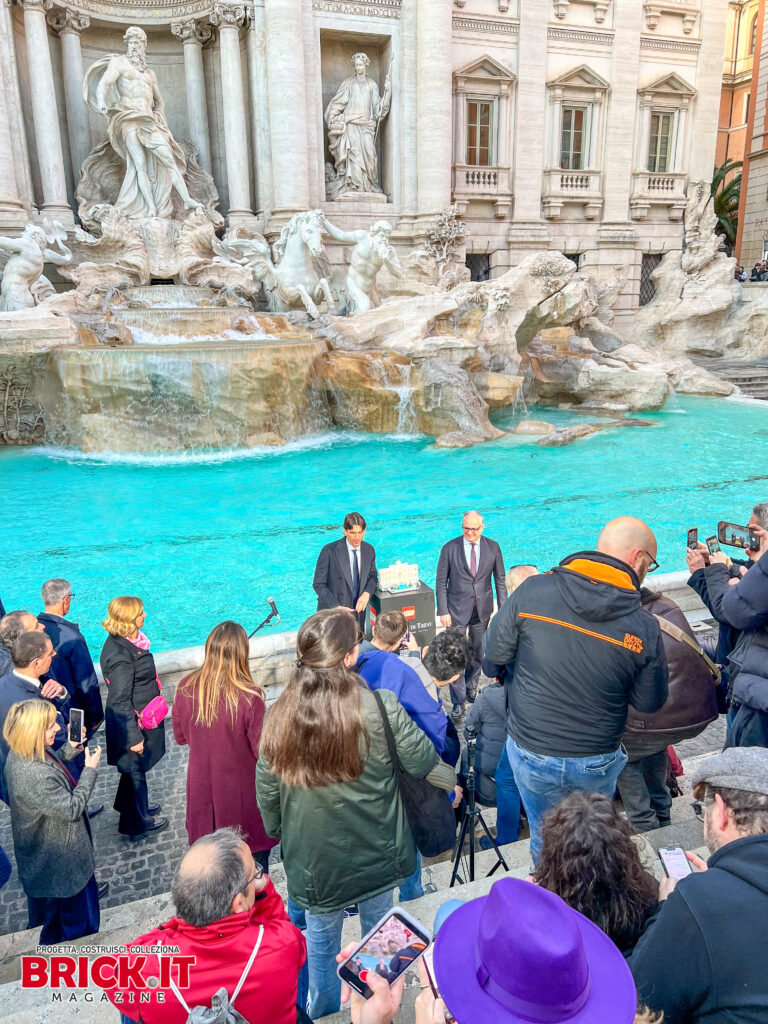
(406, 411)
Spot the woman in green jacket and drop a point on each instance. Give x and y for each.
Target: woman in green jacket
(326, 786)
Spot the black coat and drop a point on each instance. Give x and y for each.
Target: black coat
(488, 717)
(132, 685)
(703, 955)
(745, 607)
(12, 690)
(580, 649)
(333, 574)
(457, 590)
(73, 667)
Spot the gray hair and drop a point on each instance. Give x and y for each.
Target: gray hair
(517, 573)
(11, 627)
(761, 511)
(749, 810)
(203, 891)
(54, 591)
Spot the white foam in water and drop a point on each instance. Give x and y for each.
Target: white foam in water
(197, 457)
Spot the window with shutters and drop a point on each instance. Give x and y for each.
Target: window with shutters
(480, 132)
(660, 142)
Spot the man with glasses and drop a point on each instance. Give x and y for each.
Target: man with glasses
(577, 648)
(703, 954)
(232, 926)
(73, 665)
(468, 568)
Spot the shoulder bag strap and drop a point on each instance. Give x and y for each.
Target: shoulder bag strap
(679, 634)
(243, 976)
(390, 736)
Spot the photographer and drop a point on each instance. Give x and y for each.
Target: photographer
(743, 604)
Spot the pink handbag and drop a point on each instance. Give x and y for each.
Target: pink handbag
(154, 713)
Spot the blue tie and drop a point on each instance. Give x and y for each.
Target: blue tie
(355, 575)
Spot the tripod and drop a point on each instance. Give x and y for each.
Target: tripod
(468, 823)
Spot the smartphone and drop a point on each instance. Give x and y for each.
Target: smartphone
(737, 536)
(76, 723)
(674, 862)
(389, 949)
(693, 538)
(429, 957)
(713, 545)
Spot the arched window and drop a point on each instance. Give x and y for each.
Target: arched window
(753, 36)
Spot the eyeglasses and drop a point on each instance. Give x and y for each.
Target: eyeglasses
(471, 529)
(698, 809)
(258, 872)
(654, 565)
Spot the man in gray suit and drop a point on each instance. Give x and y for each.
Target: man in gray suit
(467, 568)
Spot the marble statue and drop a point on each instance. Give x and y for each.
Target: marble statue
(357, 288)
(123, 89)
(292, 280)
(23, 283)
(701, 241)
(353, 118)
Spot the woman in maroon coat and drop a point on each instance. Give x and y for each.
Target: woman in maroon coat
(219, 712)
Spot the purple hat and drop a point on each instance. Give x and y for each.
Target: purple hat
(520, 955)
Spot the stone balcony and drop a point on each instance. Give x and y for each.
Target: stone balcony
(660, 190)
(581, 188)
(490, 184)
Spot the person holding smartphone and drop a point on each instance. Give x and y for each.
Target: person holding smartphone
(51, 836)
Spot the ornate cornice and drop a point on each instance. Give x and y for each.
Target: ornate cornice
(62, 20)
(229, 14)
(127, 12)
(192, 31)
(495, 26)
(368, 8)
(580, 36)
(666, 43)
(37, 5)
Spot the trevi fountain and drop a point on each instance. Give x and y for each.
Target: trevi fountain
(153, 335)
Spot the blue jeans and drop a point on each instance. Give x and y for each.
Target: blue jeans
(412, 888)
(545, 781)
(507, 802)
(324, 942)
(299, 919)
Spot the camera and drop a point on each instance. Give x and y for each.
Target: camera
(470, 733)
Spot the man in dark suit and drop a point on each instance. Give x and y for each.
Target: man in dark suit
(345, 574)
(31, 655)
(466, 570)
(73, 665)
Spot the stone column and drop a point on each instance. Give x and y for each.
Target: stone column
(287, 104)
(230, 17)
(69, 24)
(193, 34)
(12, 212)
(620, 129)
(257, 78)
(434, 105)
(44, 112)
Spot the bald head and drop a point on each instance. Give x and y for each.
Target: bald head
(210, 876)
(630, 540)
(472, 526)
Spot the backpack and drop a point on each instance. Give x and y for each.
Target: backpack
(222, 1009)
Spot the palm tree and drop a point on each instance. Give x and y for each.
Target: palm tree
(726, 200)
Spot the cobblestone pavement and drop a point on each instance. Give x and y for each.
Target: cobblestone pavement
(136, 871)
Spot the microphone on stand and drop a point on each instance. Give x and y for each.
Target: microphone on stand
(273, 606)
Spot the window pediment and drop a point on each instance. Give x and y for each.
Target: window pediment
(671, 86)
(483, 69)
(582, 77)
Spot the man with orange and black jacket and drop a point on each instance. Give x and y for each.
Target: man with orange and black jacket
(579, 648)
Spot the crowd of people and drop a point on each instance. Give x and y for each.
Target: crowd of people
(590, 677)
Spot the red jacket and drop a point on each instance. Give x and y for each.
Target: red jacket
(222, 949)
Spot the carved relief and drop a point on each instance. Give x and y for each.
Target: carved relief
(368, 8)
(235, 14)
(190, 30)
(61, 20)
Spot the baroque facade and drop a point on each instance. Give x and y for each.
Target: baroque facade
(551, 124)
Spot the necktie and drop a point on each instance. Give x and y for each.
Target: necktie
(355, 574)
(473, 560)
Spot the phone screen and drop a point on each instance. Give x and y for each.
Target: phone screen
(693, 538)
(76, 726)
(712, 545)
(737, 536)
(675, 863)
(396, 943)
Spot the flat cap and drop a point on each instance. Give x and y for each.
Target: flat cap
(744, 768)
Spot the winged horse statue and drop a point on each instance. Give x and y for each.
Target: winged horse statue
(299, 274)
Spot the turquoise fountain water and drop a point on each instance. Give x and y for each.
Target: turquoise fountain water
(203, 537)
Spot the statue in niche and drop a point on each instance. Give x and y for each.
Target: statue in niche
(23, 284)
(123, 89)
(357, 289)
(353, 118)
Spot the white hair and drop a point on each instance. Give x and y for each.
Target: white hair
(54, 591)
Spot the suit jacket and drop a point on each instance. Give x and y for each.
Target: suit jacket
(73, 667)
(333, 574)
(456, 589)
(12, 690)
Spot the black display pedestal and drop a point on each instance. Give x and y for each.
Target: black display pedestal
(418, 607)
